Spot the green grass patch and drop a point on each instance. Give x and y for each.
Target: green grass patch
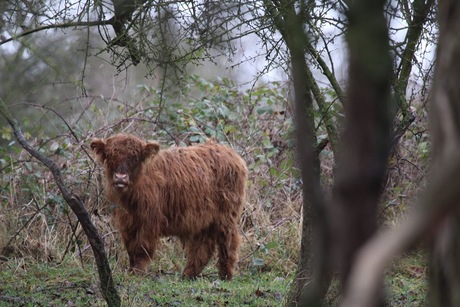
(40, 284)
(263, 289)
(69, 285)
(25, 283)
(406, 281)
(30, 283)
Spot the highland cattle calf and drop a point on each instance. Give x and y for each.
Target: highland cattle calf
(195, 193)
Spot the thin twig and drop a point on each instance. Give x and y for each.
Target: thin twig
(57, 26)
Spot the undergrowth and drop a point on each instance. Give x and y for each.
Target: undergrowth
(43, 244)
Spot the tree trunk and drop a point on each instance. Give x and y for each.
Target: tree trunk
(445, 115)
(315, 228)
(366, 140)
(314, 255)
(437, 216)
(414, 32)
(421, 9)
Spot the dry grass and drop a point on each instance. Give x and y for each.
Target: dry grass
(39, 226)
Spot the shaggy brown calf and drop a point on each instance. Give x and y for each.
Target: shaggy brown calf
(195, 193)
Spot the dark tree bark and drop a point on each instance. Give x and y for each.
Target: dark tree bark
(366, 140)
(437, 216)
(422, 9)
(445, 115)
(123, 12)
(312, 267)
(108, 289)
(315, 242)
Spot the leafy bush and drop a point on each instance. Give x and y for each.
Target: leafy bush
(256, 122)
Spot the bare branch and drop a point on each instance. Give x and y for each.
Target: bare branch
(57, 26)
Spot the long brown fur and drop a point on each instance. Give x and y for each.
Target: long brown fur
(195, 193)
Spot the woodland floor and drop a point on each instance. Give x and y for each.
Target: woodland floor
(25, 283)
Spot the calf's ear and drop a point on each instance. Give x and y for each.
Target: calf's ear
(98, 146)
(151, 148)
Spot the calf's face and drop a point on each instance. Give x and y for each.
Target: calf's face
(122, 156)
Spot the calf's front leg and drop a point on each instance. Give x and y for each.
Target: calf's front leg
(140, 252)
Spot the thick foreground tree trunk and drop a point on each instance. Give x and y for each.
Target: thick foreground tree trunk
(366, 140)
(437, 216)
(445, 115)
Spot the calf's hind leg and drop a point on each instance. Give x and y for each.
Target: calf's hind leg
(228, 241)
(199, 250)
